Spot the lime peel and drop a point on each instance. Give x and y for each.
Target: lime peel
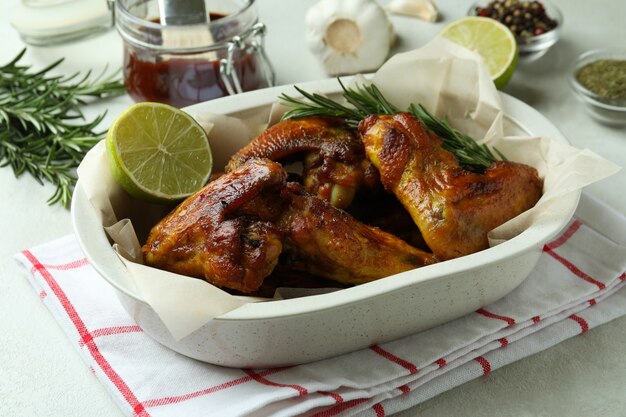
(158, 153)
(490, 39)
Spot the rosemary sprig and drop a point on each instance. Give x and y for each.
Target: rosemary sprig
(42, 128)
(367, 99)
(468, 152)
(318, 105)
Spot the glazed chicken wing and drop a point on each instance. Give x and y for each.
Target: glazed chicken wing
(332, 155)
(328, 242)
(225, 232)
(453, 208)
(232, 232)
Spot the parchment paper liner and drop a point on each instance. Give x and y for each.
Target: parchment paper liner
(448, 80)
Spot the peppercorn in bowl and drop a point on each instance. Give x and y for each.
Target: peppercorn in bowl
(535, 24)
(598, 79)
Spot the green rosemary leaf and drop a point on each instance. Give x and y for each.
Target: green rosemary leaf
(364, 100)
(318, 105)
(42, 129)
(469, 152)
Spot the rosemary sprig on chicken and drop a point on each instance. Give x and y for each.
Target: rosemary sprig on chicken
(366, 100)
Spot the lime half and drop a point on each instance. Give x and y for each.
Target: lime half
(490, 39)
(158, 153)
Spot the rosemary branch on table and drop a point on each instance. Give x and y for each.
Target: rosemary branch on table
(42, 128)
(368, 99)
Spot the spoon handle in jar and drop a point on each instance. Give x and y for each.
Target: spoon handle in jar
(182, 12)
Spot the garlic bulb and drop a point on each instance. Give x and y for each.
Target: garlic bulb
(349, 36)
(424, 9)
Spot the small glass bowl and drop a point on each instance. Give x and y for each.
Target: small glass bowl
(605, 110)
(534, 47)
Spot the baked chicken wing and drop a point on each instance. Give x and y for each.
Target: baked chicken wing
(328, 242)
(453, 208)
(334, 164)
(225, 232)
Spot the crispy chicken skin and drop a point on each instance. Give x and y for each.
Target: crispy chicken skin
(224, 233)
(232, 232)
(328, 242)
(332, 155)
(453, 208)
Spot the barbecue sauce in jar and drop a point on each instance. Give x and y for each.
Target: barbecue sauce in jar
(185, 76)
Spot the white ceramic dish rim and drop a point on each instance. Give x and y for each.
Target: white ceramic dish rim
(95, 244)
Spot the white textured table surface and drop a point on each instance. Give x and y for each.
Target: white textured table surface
(41, 375)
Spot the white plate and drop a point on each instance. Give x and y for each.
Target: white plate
(287, 332)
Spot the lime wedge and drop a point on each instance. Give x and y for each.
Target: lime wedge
(490, 39)
(158, 153)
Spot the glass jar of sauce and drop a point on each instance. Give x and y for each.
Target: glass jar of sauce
(185, 64)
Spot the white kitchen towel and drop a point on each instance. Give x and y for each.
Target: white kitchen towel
(579, 283)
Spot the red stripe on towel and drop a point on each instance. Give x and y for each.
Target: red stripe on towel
(584, 326)
(573, 268)
(573, 227)
(70, 265)
(509, 321)
(338, 398)
(378, 408)
(393, 358)
(404, 388)
(484, 363)
(503, 342)
(62, 267)
(441, 362)
(86, 337)
(157, 402)
(108, 331)
(262, 380)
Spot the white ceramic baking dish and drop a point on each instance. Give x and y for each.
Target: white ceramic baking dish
(293, 331)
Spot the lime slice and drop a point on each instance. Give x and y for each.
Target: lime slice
(158, 153)
(493, 41)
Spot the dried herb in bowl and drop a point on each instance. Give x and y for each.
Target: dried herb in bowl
(606, 78)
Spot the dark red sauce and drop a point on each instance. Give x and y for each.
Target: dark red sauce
(186, 80)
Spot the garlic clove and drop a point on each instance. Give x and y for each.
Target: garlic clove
(423, 9)
(349, 36)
